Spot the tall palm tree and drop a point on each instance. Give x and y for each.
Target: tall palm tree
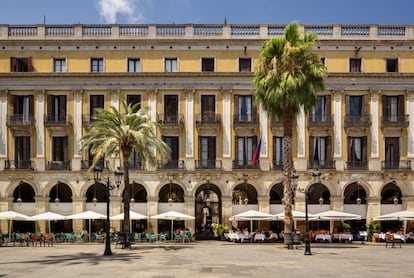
(287, 78)
(115, 134)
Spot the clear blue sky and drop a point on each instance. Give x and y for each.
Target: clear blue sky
(206, 11)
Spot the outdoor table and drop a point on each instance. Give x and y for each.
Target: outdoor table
(323, 237)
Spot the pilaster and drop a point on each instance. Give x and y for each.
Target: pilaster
(337, 138)
(227, 136)
(40, 129)
(374, 161)
(189, 127)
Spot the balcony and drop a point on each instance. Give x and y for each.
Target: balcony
(400, 121)
(396, 165)
(20, 121)
(19, 165)
(357, 165)
(58, 120)
(351, 121)
(208, 122)
(86, 164)
(208, 164)
(171, 123)
(243, 165)
(246, 123)
(277, 165)
(171, 164)
(325, 164)
(319, 121)
(136, 165)
(58, 165)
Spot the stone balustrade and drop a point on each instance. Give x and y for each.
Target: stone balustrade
(209, 31)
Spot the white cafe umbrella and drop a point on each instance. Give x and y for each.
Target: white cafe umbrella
(132, 216)
(87, 215)
(337, 215)
(333, 215)
(12, 215)
(172, 215)
(252, 215)
(297, 215)
(49, 216)
(399, 215)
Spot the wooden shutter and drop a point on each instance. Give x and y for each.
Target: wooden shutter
(347, 105)
(311, 147)
(365, 105)
(212, 148)
(328, 149)
(401, 105)
(364, 148)
(328, 106)
(31, 105)
(29, 64)
(50, 106)
(62, 108)
(384, 105)
(13, 64)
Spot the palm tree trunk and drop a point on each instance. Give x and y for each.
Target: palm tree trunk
(288, 119)
(127, 197)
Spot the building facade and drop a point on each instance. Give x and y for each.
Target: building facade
(197, 82)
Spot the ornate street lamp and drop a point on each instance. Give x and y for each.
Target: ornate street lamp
(19, 199)
(246, 200)
(57, 200)
(208, 201)
(358, 200)
(294, 180)
(118, 179)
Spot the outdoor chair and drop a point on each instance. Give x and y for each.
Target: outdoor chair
(389, 239)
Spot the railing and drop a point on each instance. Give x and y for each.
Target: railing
(87, 119)
(245, 165)
(166, 119)
(60, 31)
(57, 120)
(395, 121)
(170, 30)
(245, 119)
(210, 31)
(58, 165)
(319, 120)
(133, 30)
(136, 165)
(357, 165)
(171, 164)
(19, 164)
(277, 165)
(396, 165)
(357, 121)
(208, 119)
(86, 164)
(321, 164)
(20, 120)
(208, 164)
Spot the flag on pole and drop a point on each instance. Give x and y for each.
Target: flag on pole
(256, 155)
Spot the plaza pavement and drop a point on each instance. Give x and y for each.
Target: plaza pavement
(208, 259)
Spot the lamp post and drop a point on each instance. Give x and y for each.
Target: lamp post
(108, 186)
(316, 179)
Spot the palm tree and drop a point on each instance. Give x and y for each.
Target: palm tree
(287, 78)
(115, 134)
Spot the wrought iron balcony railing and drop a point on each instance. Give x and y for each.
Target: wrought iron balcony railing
(171, 164)
(239, 164)
(357, 121)
(20, 120)
(357, 165)
(321, 164)
(395, 121)
(19, 164)
(396, 165)
(208, 164)
(58, 165)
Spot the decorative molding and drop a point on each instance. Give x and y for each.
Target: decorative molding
(189, 93)
(152, 93)
(227, 93)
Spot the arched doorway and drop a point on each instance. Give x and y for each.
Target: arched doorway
(276, 206)
(207, 210)
(391, 202)
(60, 201)
(96, 198)
(138, 203)
(24, 202)
(319, 200)
(171, 197)
(354, 202)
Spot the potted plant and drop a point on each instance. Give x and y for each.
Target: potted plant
(221, 229)
(373, 227)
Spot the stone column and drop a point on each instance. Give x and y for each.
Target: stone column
(337, 138)
(3, 128)
(42, 205)
(189, 129)
(410, 130)
(77, 129)
(152, 104)
(152, 203)
(301, 162)
(226, 210)
(373, 208)
(40, 130)
(115, 208)
(374, 161)
(189, 205)
(265, 164)
(227, 135)
(337, 203)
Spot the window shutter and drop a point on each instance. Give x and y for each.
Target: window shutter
(13, 64)
(31, 105)
(401, 106)
(212, 148)
(311, 147)
(62, 108)
(384, 106)
(29, 64)
(364, 148)
(328, 106)
(236, 107)
(236, 148)
(328, 150)
(365, 105)
(347, 105)
(350, 154)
